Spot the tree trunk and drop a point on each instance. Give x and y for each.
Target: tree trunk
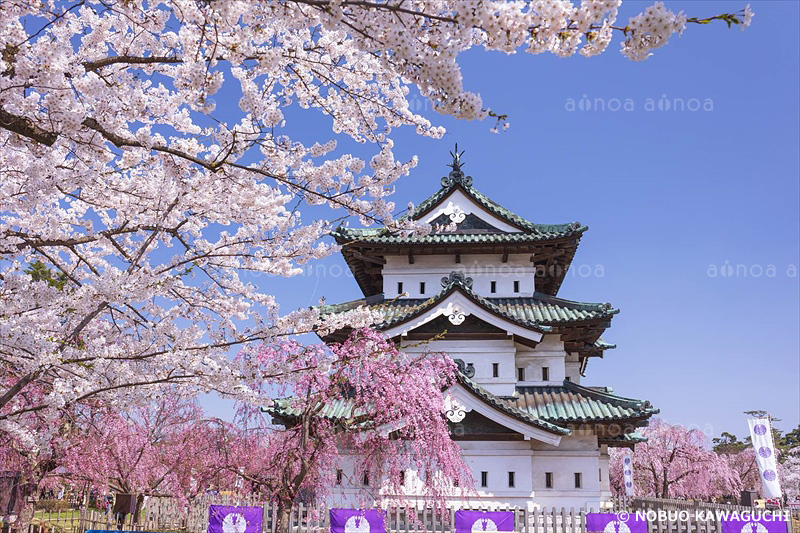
(284, 519)
(29, 495)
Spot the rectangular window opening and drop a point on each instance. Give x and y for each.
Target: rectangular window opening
(511, 479)
(516, 286)
(365, 480)
(399, 287)
(578, 480)
(495, 370)
(493, 287)
(422, 287)
(339, 477)
(548, 480)
(599, 474)
(484, 479)
(545, 373)
(402, 478)
(520, 374)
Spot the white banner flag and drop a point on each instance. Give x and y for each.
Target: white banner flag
(761, 435)
(627, 473)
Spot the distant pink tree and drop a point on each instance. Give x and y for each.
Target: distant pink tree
(389, 416)
(165, 447)
(789, 472)
(674, 462)
(743, 469)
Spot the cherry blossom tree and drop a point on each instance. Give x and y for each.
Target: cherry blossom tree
(370, 405)
(35, 467)
(165, 447)
(741, 461)
(744, 470)
(674, 462)
(789, 472)
(132, 211)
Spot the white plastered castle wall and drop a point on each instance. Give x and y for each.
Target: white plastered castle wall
(482, 268)
(483, 355)
(530, 461)
(509, 357)
(549, 354)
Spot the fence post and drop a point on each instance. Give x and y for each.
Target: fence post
(452, 519)
(525, 519)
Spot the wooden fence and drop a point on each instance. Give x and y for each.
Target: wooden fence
(165, 515)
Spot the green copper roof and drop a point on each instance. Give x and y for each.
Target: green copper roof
(399, 310)
(546, 407)
(343, 409)
(509, 408)
(539, 312)
(572, 403)
(553, 310)
(370, 236)
(456, 179)
(528, 231)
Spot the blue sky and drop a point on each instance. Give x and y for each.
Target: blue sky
(671, 198)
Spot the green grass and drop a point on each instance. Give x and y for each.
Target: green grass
(69, 521)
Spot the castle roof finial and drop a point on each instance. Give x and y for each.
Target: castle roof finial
(456, 155)
(456, 174)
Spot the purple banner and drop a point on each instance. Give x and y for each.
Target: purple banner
(357, 521)
(479, 521)
(232, 519)
(615, 523)
(757, 523)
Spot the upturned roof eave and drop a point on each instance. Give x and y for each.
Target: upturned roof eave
(354, 237)
(545, 232)
(610, 408)
(438, 197)
(474, 297)
(282, 409)
(502, 405)
(603, 310)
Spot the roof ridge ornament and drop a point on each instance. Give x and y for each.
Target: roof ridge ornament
(457, 277)
(456, 174)
(468, 369)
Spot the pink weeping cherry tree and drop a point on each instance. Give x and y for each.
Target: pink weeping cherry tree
(675, 462)
(363, 403)
(166, 447)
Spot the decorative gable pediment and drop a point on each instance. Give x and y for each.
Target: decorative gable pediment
(455, 306)
(460, 400)
(460, 209)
